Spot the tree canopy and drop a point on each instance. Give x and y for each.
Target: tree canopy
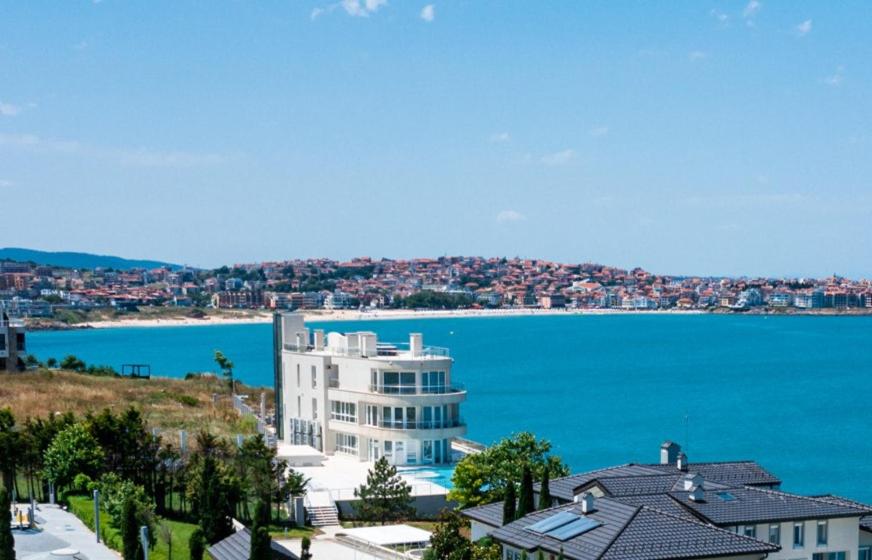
(73, 451)
(482, 478)
(385, 496)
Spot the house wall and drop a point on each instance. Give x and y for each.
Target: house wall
(479, 530)
(842, 537)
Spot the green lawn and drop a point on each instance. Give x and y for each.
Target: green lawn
(83, 508)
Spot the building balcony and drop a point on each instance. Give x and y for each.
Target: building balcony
(399, 350)
(416, 429)
(410, 390)
(14, 323)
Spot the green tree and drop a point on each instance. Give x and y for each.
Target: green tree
(9, 447)
(545, 491)
(447, 541)
(129, 525)
(385, 496)
(261, 543)
(226, 367)
(73, 451)
(526, 504)
(212, 488)
(509, 506)
(73, 363)
(483, 477)
(51, 363)
(7, 543)
(486, 549)
(197, 544)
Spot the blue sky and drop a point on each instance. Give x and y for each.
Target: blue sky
(684, 137)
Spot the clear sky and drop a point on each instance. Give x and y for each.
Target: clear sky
(683, 137)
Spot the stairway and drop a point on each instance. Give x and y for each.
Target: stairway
(320, 509)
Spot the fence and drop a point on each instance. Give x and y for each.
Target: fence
(260, 423)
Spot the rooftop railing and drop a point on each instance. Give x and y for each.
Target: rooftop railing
(14, 323)
(399, 350)
(419, 424)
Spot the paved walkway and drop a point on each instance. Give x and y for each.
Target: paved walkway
(59, 529)
(324, 546)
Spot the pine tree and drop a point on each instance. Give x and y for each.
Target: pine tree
(525, 498)
(385, 496)
(509, 504)
(545, 491)
(560, 556)
(196, 544)
(7, 543)
(540, 555)
(261, 542)
(130, 530)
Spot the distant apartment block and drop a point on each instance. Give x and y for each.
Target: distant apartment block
(355, 395)
(12, 343)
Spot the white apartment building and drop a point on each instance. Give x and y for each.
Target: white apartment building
(352, 394)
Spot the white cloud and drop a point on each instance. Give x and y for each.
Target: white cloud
(836, 79)
(510, 216)
(720, 16)
(803, 28)
(138, 157)
(428, 13)
(697, 55)
(599, 131)
(354, 8)
(558, 158)
(5, 184)
(751, 9)
(8, 109)
(500, 137)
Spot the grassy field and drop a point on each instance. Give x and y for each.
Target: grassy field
(83, 508)
(166, 404)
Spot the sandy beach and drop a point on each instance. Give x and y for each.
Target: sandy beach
(356, 315)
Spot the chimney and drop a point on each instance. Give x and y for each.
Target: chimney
(319, 339)
(697, 494)
(681, 462)
(416, 344)
(691, 481)
(587, 503)
(669, 453)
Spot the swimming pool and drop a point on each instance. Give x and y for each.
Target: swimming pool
(435, 474)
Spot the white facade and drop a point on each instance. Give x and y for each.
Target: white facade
(799, 540)
(350, 394)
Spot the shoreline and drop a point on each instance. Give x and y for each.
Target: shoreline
(346, 315)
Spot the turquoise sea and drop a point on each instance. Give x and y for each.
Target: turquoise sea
(791, 392)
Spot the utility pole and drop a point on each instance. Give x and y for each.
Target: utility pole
(97, 513)
(143, 538)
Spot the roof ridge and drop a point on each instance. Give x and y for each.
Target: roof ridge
(818, 499)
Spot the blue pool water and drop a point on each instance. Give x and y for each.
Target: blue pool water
(437, 474)
(791, 392)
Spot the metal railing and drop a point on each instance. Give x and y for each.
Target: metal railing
(382, 349)
(416, 390)
(15, 323)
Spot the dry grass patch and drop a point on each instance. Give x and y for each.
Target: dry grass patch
(166, 404)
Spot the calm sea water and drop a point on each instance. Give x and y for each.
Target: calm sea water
(791, 392)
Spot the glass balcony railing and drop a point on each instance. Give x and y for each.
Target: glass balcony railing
(415, 390)
(419, 424)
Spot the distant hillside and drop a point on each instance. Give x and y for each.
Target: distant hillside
(77, 260)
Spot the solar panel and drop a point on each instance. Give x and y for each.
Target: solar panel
(726, 496)
(573, 529)
(553, 522)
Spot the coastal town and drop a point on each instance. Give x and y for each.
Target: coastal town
(31, 291)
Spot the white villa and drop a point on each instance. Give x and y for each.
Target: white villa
(354, 395)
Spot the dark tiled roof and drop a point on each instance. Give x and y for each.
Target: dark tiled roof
(490, 514)
(756, 505)
(661, 502)
(238, 547)
(647, 484)
(631, 532)
(731, 473)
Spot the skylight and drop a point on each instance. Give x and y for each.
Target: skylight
(726, 497)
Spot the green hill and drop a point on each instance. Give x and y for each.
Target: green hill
(78, 260)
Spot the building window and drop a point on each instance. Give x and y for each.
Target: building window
(314, 409)
(298, 375)
(864, 553)
(433, 382)
(371, 415)
(775, 533)
(389, 450)
(399, 383)
(2, 342)
(314, 377)
(427, 451)
(750, 531)
(822, 530)
(831, 556)
(299, 406)
(346, 443)
(798, 535)
(343, 411)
